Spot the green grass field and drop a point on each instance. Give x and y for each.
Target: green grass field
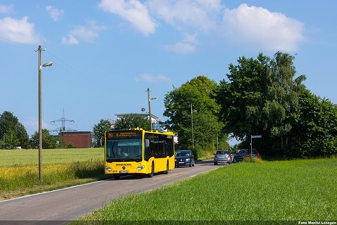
(10, 158)
(299, 190)
(60, 168)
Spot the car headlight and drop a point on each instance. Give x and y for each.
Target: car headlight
(187, 160)
(108, 168)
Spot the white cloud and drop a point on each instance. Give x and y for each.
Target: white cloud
(132, 11)
(152, 79)
(181, 47)
(190, 38)
(84, 33)
(186, 46)
(202, 14)
(31, 124)
(54, 12)
(87, 33)
(6, 8)
(257, 27)
(187, 16)
(244, 26)
(18, 31)
(71, 40)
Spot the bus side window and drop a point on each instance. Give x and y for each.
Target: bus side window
(147, 152)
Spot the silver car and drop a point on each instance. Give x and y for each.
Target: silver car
(222, 156)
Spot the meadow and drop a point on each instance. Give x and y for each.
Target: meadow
(29, 157)
(60, 168)
(275, 192)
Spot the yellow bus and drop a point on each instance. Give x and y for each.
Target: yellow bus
(137, 151)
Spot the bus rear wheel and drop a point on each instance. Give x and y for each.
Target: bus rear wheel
(167, 167)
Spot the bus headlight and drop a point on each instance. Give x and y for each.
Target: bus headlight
(108, 168)
(139, 168)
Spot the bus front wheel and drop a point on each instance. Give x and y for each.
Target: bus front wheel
(152, 171)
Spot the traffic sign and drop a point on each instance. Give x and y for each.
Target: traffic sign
(256, 136)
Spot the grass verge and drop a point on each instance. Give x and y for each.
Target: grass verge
(299, 190)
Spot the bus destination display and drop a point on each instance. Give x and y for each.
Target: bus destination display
(124, 134)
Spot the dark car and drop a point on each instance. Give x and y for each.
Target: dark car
(184, 158)
(245, 152)
(222, 156)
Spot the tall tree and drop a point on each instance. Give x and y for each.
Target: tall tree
(132, 121)
(192, 113)
(12, 132)
(11, 139)
(283, 95)
(23, 136)
(48, 140)
(243, 97)
(99, 130)
(314, 131)
(260, 98)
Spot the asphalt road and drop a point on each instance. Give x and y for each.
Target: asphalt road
(64, 205)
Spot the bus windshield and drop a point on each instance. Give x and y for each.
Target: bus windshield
(121, 150)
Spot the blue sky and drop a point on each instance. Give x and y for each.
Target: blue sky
(106, 53)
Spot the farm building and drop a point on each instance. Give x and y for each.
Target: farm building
(79, 139)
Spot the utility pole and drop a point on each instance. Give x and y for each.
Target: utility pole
(39, 60)
(192, 126)
(149, 99)
(40, 108)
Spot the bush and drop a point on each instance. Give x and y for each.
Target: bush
(70, 145)
(253, 160)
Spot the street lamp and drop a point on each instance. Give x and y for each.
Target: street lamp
(149, 99)
(40, 105)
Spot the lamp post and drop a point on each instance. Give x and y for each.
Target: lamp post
(192, 126)
(149, 99)
(40, 105)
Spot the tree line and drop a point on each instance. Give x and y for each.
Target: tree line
(14, 135)
(12, 132)
(264, 97)
(260, 96)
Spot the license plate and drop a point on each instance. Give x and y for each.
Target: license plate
(123, 171)
(181, 162)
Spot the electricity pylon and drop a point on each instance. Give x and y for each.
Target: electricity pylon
(63, 121)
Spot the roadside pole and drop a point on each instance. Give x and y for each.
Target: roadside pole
(251, 143)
